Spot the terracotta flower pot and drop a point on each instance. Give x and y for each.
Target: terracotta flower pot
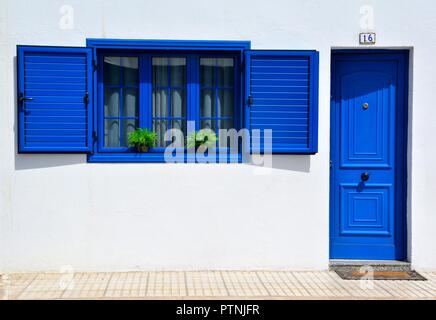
(142, 148)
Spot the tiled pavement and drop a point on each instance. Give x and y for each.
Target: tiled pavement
(209, 285)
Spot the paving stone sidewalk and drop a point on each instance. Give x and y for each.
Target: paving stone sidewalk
(209, 285)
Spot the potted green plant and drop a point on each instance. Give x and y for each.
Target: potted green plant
(142, 139)
(203, 137)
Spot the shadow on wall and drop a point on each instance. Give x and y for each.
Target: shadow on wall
(35, 161)
(294, 162)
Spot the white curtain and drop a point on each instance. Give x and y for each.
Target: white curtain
(160, 109)
(207, 108)
(169, 81)
(117, 70)
(112, 109)
(111, 130)
(130, 71)
(216, 81)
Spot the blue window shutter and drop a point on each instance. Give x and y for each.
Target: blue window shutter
(282, 95)
(54, 99)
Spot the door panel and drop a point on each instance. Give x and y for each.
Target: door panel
(365, 209)
(364, 111)
(367, 139)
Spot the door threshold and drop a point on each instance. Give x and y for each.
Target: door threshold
(375, 265)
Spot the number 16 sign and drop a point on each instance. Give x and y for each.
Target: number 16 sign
(367, 38)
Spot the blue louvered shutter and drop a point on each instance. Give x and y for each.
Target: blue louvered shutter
(54, 99)
(282, 95)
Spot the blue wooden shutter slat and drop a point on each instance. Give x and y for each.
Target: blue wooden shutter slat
(57, 119)
(283, 86)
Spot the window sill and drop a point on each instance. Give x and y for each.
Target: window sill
(153, 157)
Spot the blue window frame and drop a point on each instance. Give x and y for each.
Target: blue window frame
(168, 93)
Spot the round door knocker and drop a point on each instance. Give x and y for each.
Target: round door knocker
(364, 176)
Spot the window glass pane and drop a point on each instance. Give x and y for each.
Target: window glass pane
(178, 71)
(127, 126)
(223, 140)
(111, 70)
(169, 95)
(130, 102)
(160, 127)
(207, 103)
(111, 133)
(225, 72)
(225, 103)
(160, 72)
(217, 93)
(178, 103)
(111, 102)
(225, 124)
(130, 71)
(121, 99)
(207, 72)
(160, 103)
(180, 125)
(208, 124)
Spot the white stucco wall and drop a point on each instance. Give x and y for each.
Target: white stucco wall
(58, 210)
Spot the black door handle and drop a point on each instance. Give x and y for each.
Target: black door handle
(364, 176)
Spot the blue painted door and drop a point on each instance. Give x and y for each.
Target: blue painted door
(368, 145)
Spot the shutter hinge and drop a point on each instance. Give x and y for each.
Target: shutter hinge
(331, 164)
(86, 98)
(250, 100)
(94, 65)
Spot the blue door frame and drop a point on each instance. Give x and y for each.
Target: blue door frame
(368, 154)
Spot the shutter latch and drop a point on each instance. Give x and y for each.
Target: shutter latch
(24, 98)
(250, 101)
(86, 98)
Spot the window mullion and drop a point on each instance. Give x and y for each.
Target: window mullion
(193, 90)
(145, 92)
(148, 110)
(169, 95)
(101, 102)
(216, 95)
(120, 103)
